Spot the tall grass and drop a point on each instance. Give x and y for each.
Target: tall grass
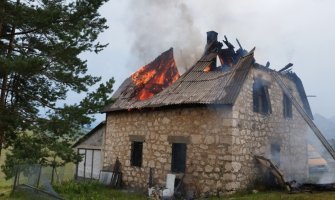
(93, 190)
(280, 195)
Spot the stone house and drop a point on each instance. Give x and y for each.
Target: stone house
(206, 125)
(90, 148)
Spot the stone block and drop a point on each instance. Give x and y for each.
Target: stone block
(196, 139)
(209, 140)
(209, 168)
(151, 163)
(227, 122)
(236, 166)
(232, 186)
(225, 140)
(162, 160)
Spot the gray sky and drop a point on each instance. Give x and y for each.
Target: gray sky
(283, 31)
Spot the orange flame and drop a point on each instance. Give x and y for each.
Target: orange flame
(155, 76)
(208, 68)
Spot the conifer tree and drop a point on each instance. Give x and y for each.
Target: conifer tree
(40, 46)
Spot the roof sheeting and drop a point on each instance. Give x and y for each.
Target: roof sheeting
(193, 87)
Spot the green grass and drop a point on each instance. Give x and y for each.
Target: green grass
(88, 190)
(85, 190)
(278, 195)
(91, 190)
(67, 174)
(25, 196)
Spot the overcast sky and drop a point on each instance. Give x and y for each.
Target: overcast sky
(283, 31)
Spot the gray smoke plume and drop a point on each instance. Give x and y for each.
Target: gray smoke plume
(159, 25)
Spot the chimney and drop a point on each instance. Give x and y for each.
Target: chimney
(212, 36)
(212, 40)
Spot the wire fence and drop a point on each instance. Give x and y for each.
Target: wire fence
(37, 180)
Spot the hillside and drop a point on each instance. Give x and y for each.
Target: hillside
(326, 126)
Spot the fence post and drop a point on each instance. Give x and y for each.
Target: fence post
(15, 179)
(39, 176)
(52, 174)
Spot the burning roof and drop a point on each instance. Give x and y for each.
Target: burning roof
(206, 82)
(155, 76)
(148, 81)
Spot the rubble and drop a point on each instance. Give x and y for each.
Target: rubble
(292, 186)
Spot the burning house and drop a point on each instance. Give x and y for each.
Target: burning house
(206, 125)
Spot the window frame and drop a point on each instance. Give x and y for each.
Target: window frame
(85, 162)
(261, 97)
(287, 107)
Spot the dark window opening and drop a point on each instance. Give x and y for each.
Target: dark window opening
(287, 107)
(136, 154)
(275, 154)
(178, 163)
(261, 99)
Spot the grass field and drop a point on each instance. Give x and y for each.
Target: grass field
(72, 190)
(94, 191)
(5, 185)
(280, 195)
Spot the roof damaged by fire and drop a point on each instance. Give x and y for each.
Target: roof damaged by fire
(216, 78)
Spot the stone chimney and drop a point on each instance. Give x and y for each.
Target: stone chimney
(212, 36)
(212, 41)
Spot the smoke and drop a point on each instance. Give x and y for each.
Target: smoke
(158, 25)
(325, 172)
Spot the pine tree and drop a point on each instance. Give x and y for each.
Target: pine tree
(40, 44)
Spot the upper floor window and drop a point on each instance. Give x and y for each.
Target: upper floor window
(287, 106)
(261, 99)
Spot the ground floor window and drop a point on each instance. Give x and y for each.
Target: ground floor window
(136, 154)
(178, 162)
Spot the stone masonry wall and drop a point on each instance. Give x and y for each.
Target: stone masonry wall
(208, 162)
(254, 133)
